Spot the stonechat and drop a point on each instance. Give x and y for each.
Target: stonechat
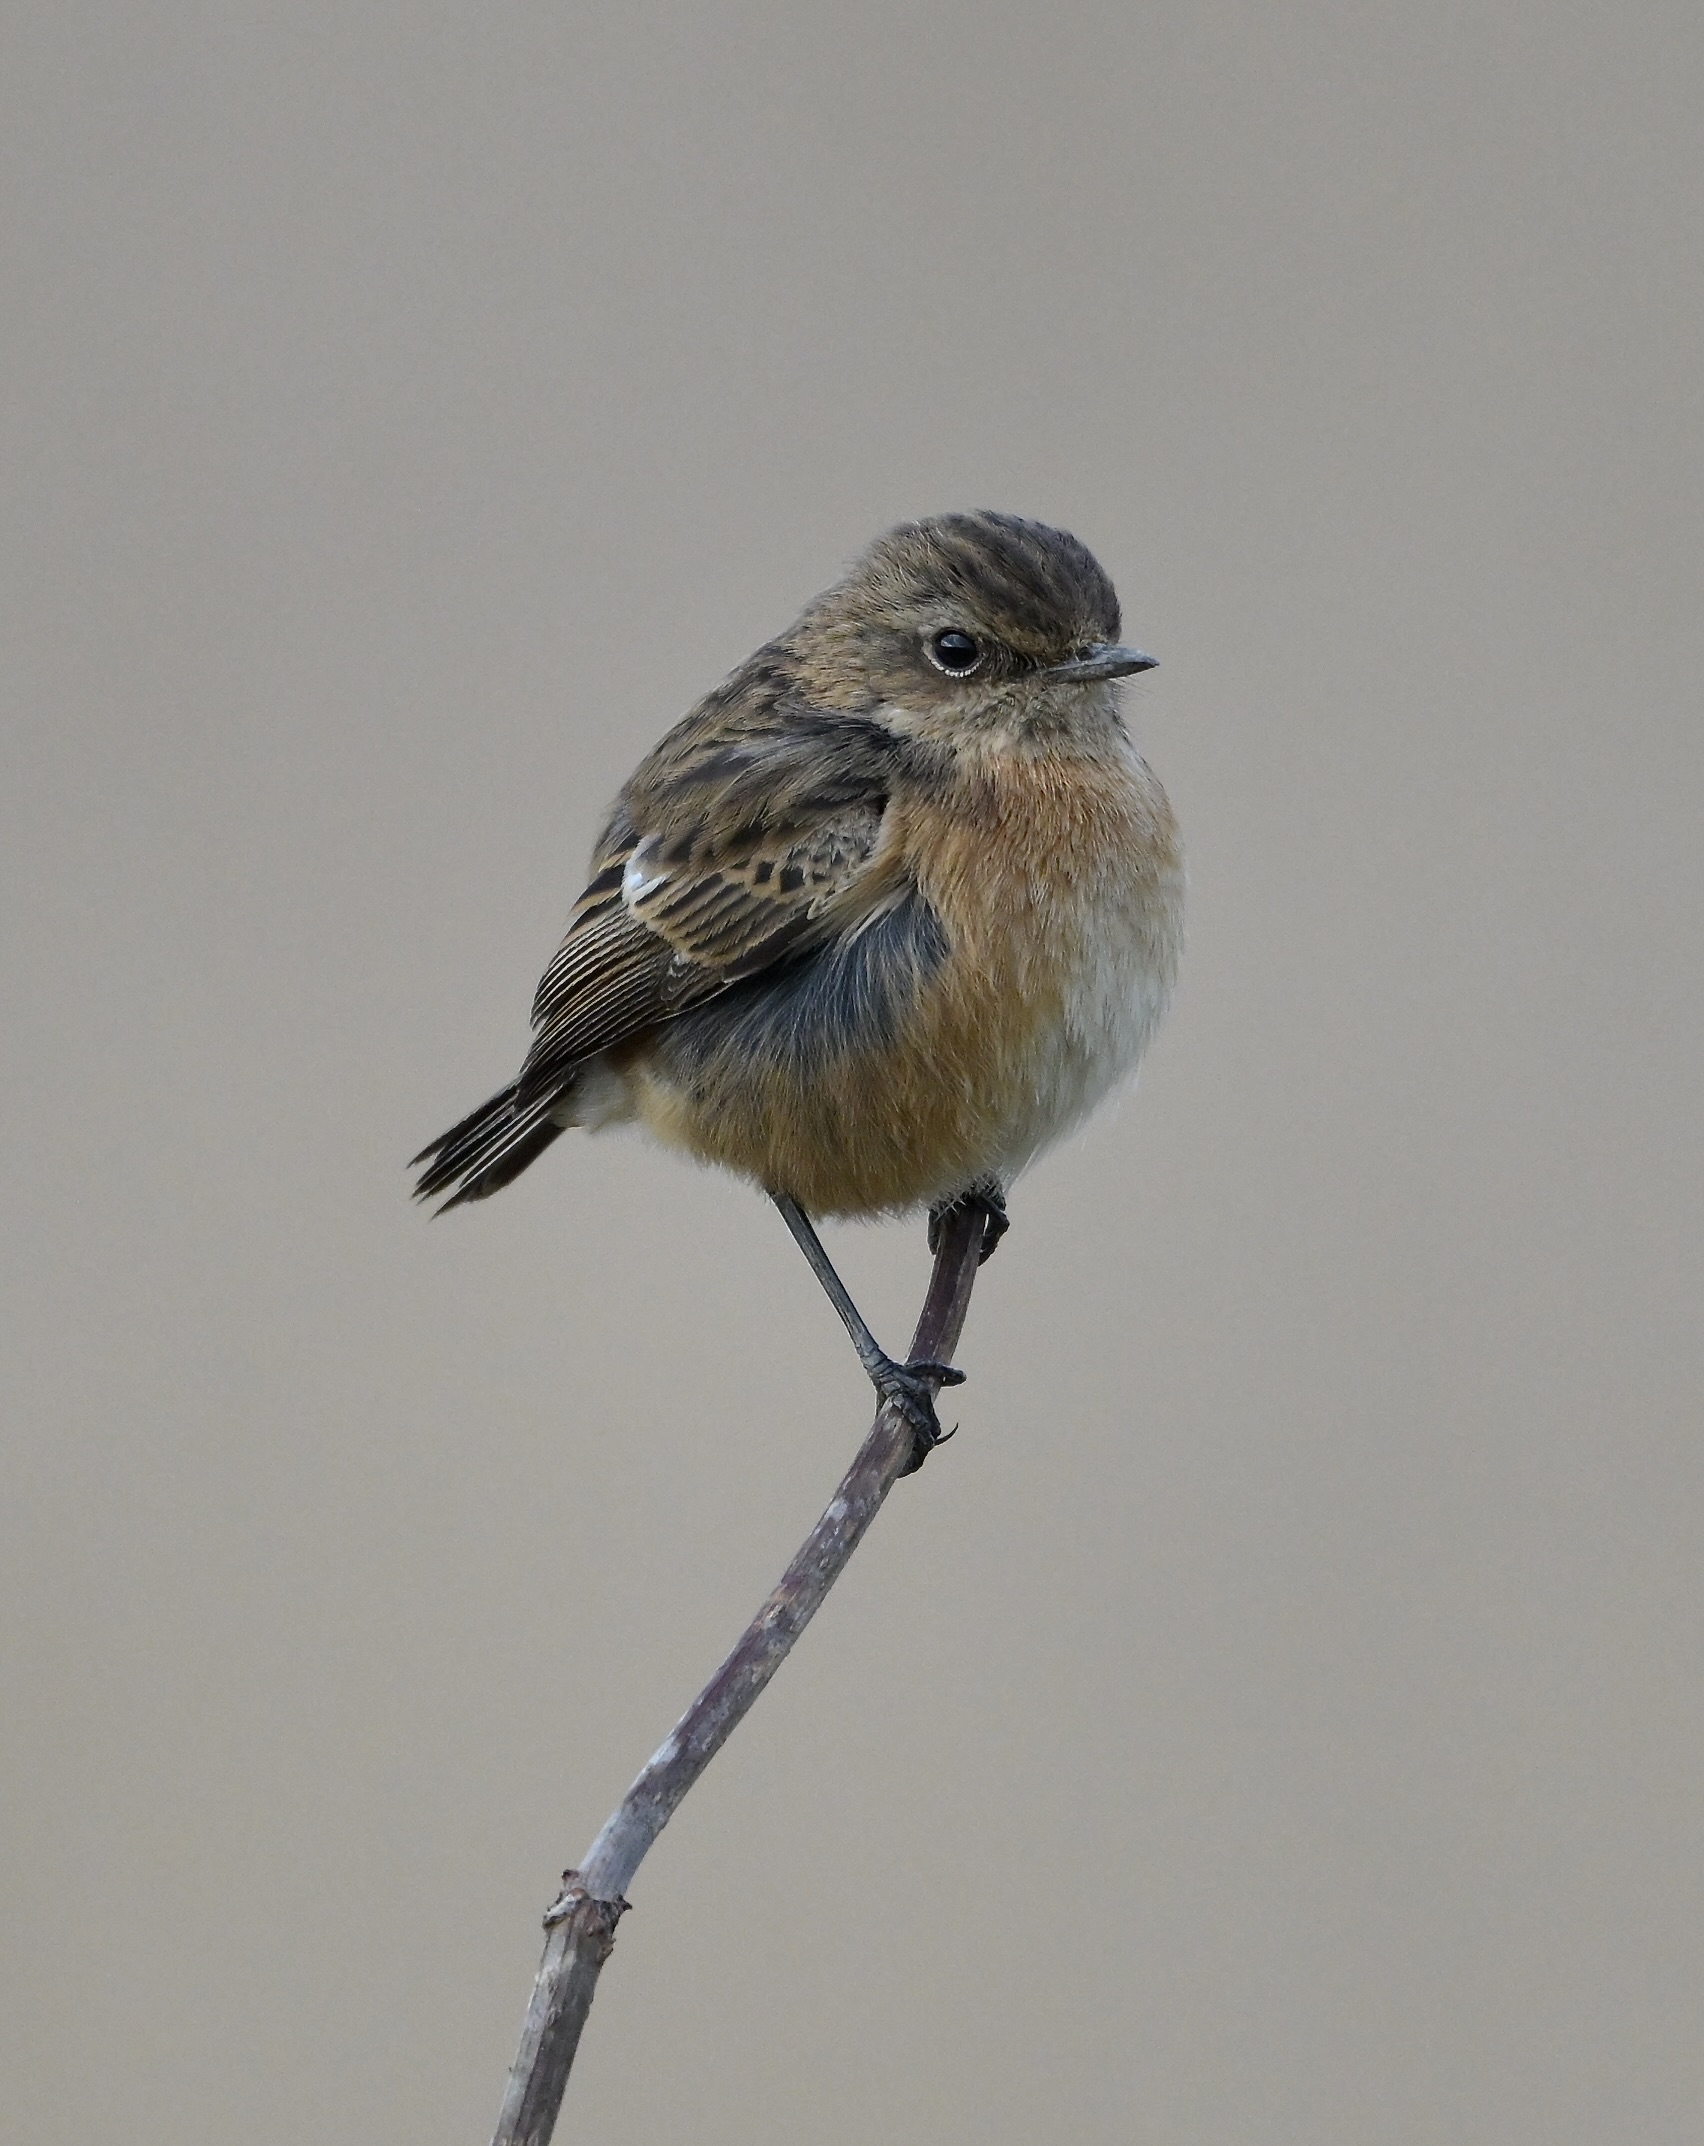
(888, 913)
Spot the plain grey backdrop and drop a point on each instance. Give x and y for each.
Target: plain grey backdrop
(1276, 1721)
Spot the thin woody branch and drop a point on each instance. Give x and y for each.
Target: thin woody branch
(580, 1924)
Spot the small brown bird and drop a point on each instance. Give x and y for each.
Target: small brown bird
(888, 913)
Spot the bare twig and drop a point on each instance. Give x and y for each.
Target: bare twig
(580, 1924)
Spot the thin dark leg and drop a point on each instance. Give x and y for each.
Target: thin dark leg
(910, 1387)
(990, 1197)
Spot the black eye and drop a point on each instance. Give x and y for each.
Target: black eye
(955, 653)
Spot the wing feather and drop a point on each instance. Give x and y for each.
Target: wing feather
(753, 832)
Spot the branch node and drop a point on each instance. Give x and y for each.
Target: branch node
(573, 1895)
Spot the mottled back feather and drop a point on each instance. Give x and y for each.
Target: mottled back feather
(749, 837)
(737, 844)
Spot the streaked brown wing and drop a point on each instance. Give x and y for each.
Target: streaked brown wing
(727, 855)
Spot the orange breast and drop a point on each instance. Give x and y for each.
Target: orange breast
(1058, 889)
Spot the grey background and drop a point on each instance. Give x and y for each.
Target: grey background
(1277, 1720)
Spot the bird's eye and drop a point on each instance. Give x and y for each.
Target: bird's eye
(956, 653)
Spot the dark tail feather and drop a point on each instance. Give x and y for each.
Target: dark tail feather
(490, 1146)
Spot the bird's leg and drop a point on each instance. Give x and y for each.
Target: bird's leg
(910, 1387)
(991, 1199)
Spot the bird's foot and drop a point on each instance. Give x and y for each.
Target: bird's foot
(911, 1388)
(989, 1201)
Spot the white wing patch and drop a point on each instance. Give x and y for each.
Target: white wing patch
(638, 879)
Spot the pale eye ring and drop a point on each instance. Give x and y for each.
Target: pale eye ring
(954, 651)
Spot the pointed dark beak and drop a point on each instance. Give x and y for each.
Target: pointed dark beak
(1107, 661)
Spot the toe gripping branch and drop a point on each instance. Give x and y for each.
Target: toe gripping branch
(910, 1388)
(986, 1203)
(990, 1201)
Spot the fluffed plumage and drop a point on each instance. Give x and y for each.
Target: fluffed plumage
(876, 922)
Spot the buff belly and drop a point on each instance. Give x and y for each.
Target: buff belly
(969, 1030)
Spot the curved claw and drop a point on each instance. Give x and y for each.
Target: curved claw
(911, 1388)
(991, 1202)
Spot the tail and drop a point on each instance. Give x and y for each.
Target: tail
(489, 1147)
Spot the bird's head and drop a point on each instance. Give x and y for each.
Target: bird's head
(970, 625)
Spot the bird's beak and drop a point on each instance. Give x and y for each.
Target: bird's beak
(1106, 661)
